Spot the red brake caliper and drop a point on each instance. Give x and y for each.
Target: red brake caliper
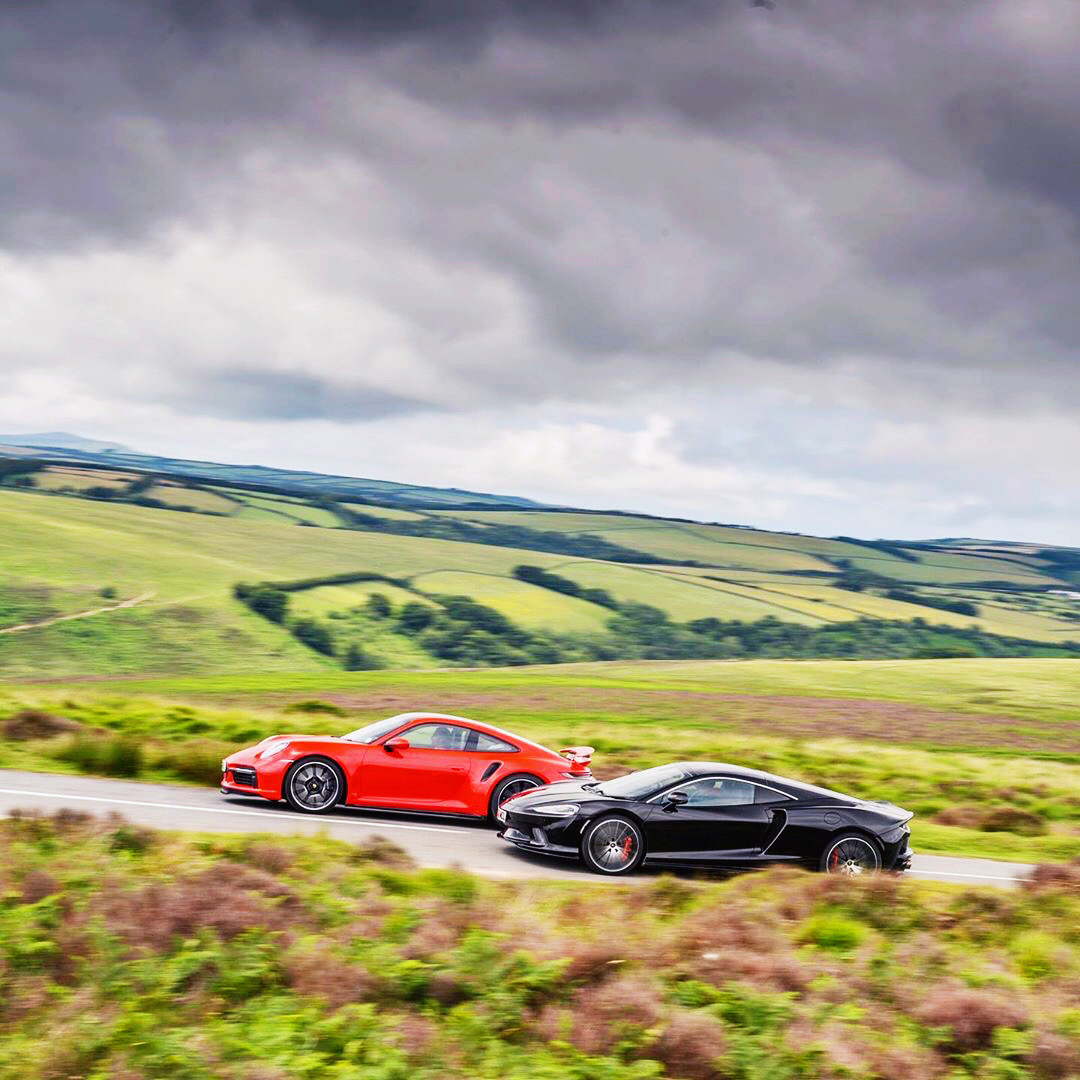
(628, 847)
(834, 862)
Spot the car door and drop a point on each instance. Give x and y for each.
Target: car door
(431, 773)
(721, 817)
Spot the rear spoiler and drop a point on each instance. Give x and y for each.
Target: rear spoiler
(579, 755)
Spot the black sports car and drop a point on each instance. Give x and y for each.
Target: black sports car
(695, 812)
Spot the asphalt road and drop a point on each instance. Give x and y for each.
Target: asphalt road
(430, 841)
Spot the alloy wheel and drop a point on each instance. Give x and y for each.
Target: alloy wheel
(613, 845)
(315, 786)
(852, 856)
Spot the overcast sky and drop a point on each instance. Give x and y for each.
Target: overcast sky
(802, 264)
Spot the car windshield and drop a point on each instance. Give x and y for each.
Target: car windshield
(374, 731)
(640, 785)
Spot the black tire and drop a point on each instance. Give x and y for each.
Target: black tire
(612, 845)
(509, 786)
(851, 855)
(314, 785)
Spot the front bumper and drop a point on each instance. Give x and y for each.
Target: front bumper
(238, 779)
(903, 860)
(548, 836)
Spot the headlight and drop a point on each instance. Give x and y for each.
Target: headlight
(272, 748)
(224, 767)
(562, 809)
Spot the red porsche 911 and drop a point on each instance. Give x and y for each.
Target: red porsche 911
(416, 761)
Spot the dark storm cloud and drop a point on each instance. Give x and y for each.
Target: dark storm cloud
(654, 190)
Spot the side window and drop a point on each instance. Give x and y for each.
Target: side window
(765, 794)
(437, 737)
(490, 745)
(719, 791)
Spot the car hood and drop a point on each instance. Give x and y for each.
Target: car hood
(567, 791)
(255, 752)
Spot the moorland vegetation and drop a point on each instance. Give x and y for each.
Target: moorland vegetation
(130, 953)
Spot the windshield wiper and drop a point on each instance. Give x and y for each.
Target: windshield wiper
(592, 785)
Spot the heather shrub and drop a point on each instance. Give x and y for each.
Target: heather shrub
(970, 1016)
(614, 1014)
(691, 1044)
(35, 724)
(131, 954)
(1013, 819)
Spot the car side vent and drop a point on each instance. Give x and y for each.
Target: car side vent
(491, 770)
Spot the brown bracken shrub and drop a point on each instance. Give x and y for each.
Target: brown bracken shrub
(316, 972)
(964, 817)
(228, 898)
(970, 1014)
(34, 724)
(417, 1035)
(1013, 819)
(382, 852)
(1054, 1056)
(606, 1014)
(267, 857)
(690, 1045)
(1055, 876)
(37, 885)
(776, 970)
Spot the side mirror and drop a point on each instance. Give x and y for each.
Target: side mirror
(393, 745)
(673, 800)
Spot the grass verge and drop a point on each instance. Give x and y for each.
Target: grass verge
(126, 953)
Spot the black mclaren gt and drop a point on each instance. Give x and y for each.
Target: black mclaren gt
(698, 812)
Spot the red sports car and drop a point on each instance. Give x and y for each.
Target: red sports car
(416, 761)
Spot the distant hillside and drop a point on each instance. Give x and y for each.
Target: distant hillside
(112, 456)
(61, 440)
(290, 571)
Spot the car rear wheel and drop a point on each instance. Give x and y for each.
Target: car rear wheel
(314, 786)
(612, 845)
(510, 786)
(851, 855)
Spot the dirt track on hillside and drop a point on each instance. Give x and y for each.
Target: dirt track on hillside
(22, 627)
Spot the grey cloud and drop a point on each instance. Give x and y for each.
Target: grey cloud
(262, 395)
(627, 192)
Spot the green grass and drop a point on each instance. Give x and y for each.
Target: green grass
(126, 952)
(681, 597)
(172, 495)
(327, 599)
(191, 562)
(527, 605)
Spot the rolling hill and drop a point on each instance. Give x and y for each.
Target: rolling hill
(79, 536)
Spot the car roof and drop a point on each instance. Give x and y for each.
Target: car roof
(488, 729)
(797, 787)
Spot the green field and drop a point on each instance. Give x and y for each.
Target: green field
(191, 563)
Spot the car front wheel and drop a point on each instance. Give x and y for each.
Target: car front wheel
(612, 845)
(851, 855)
(314, 786)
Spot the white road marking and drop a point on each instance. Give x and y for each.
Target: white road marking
(239, 813)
